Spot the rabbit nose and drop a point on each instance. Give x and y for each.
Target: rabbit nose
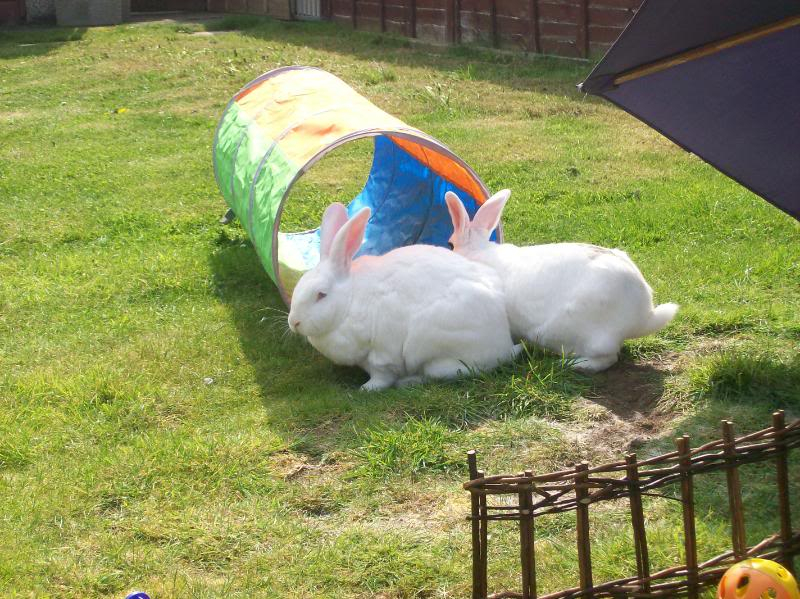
(295, 324)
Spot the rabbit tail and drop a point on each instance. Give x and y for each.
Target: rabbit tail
(659, 318)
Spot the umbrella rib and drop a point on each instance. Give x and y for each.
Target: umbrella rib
(707, 50)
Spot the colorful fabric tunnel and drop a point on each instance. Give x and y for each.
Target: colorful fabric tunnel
(283, 122)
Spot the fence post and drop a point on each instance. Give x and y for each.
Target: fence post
(495, 36)
(475, 28)
(687, 498)
(637, 520)
(582, 513)
(484, 520)
(782, 472)
(582, 42)
(353, 16)
(533, 27)
(526, 543)
(738, 538)
(477, 575)
(412, 18)
(383, 15)
(449, 21)
(457, 22)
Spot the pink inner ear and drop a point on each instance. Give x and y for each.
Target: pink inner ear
(334, 219)
(348, 241)
(458, 214)
(488, 215)
(355, 233)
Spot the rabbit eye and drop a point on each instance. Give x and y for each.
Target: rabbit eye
(321, 296)
(451, 246)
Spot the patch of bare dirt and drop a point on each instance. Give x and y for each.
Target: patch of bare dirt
(412, 509)
(623, 411)
(291, 466)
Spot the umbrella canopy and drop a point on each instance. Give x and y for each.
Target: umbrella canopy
(721, 78)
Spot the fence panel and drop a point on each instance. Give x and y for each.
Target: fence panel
(526, 497)
(567, 27)
(308, 10)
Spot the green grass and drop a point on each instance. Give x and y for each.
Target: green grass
(159, 431)
(417, 446)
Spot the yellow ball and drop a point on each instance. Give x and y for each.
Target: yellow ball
(758, 579)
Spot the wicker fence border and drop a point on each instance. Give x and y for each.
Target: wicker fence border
(528, 497)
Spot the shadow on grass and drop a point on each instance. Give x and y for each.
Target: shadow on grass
(320, 403)
(300, 388)
(320, 406)
(740, 376)
(627, 389)
(550, 74)
(742, 385)
(30, 41)
(746, 387)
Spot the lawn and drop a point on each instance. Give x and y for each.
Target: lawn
(158, 428)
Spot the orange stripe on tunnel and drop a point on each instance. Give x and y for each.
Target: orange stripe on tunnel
(444, 166)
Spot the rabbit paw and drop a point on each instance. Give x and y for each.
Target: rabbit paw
(377, 382)
(595, 364)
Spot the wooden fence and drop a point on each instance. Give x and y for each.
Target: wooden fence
(12, 11)
(278, 9)
(168, 5)
(575, 28)
(524, 498)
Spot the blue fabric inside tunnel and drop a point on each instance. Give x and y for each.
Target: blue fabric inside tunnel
(407, 202)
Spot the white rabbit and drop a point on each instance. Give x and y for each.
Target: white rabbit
(416, 312)
(579, 299)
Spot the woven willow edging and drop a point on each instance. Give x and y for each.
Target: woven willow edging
(578, 488)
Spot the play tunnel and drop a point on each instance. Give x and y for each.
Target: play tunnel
(280, 124)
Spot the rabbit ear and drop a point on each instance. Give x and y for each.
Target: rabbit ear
(488, 215)
(334, 218)
(348, 240)
(458, 214)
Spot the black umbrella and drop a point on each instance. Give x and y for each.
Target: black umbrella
(720, 78)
